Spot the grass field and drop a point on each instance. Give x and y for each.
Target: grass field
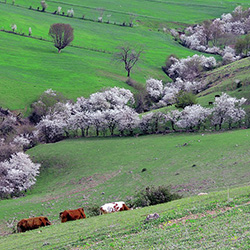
(224, 79)
(29, 66)
(217, 221)
(75, 172)
(88, 172)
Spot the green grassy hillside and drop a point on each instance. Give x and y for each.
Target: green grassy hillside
(29, 66)
(225, 79)
(75, 173)
(216, 221)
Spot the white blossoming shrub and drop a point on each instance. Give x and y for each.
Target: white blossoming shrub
(228, 58)
(51, 128)
(173, 116)
(44, 5)
(154, 88)
(59, 8)
(127, 120)
(13, 27)
(193, 116)
(188, 86)
(191, 67)
(22, 141)
(198, 36)
(227, 109)
(169, 95)
(70, 13)
(17, 174)
(146, 123)
(110, 98)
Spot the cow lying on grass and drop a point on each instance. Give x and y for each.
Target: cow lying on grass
(113, 207)
(32, 223)
(75, 214)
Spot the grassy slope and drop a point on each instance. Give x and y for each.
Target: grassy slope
(223, 80)
(217, 221)
(78, 71)
(76, 172)
(28, 67)
(171, 11)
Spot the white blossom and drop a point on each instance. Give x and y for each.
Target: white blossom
(227, 109)
(13, 27)
(193, 116)
(70, 12)
(18, 173)
(154, 88)
(59, 8)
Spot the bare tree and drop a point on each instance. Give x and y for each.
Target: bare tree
(62, 35)
(129, 56)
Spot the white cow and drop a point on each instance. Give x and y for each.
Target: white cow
(114, 207)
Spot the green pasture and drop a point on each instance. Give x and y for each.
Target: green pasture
(216, 221)
(30, 66)
(93, 171)
(224, 79)
(157, 11)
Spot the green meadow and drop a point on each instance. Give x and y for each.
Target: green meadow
(30, 66)
(93, 171)
(88, 172)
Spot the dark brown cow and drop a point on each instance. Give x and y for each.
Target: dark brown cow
(69, 215)
(32, 223)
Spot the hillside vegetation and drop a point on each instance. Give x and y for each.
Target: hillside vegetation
(30, 66)
(87, 172)
(216, 221)
(90, 171)
(233, 79)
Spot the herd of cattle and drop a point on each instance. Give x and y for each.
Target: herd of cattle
(68, 215)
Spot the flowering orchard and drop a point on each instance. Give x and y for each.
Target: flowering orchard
(110, 112)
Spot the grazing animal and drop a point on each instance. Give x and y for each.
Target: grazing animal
(200, 194)
(210, 103)
(113, 207)
(217, 96)
(76, 214)
(32, 223)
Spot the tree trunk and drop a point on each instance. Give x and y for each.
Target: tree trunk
(172, 124)
(128, 75)
(83, 134)
(59, 50)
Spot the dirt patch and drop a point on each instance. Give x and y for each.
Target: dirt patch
(194, 186)
(85, 183)
(186, 219)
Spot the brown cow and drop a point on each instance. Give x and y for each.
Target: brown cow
(32, 223)
(114, 207)
(69, 215)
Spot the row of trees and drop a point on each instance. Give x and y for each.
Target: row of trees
(212, 34)
(110, 111)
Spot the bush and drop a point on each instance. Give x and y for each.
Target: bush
(185, 99)
(154, 195)
(46, 101)
(17, 174)
(93, 210)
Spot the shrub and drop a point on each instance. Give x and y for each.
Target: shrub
(185, 99)
(17, 174)
(154, 195)
(46, 101)
(93, 210)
